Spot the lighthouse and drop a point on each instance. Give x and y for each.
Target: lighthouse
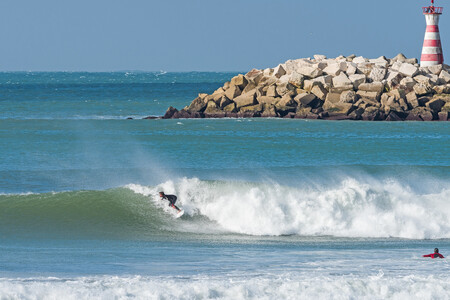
(432, 48)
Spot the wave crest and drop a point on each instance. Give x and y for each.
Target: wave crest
(350, 209)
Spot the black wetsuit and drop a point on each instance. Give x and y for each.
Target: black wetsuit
(172, 199)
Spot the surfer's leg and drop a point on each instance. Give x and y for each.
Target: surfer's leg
(174, 206)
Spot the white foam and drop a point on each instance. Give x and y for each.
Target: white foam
(268, 287)
(350, 209)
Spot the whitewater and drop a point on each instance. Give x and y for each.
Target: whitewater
(274, 209)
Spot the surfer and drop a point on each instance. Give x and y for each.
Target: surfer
(171, 198)
(436, 254)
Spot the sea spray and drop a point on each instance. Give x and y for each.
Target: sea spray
(351, 209)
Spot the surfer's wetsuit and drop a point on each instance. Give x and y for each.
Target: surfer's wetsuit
(172, 199)
(434, 255)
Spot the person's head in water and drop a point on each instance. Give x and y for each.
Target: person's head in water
(436, 250)
(161, 194)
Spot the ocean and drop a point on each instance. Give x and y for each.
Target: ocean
(274, 208)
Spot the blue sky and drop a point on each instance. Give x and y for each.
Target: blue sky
(204, 35)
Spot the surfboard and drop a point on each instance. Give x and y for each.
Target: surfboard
(179, 214)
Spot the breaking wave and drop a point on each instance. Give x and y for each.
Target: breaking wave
(350, 208)
(279, 287)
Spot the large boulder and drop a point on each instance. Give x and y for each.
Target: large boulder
(272, 91)
(333, 69)
(359, 60)
(445, 76)
(365, 68)
(333, 98)
(319, 91)
(249, 87)
(372, 87)
(279, 71)
(286, 100)
(284, 110)
(303, 112)
(423, 100)
(357, 79)
(243, 100)
(267, 100)
(408, 83)
(232, 92)
(239, 81)
(285, 88)
(377, 74)
(335, 109)
(307, 100)
(446, 107)
(443, 116)
(435, 104)
(213, 109)
(411, 61)
(395, 66)
(325, 80)
(395, 116)
(435, 69)
(183, 114)
(309, 71)
(397, 93)
(409, 70)
(230, 108)
(442, 89)
(348, 97)
(393, 79)
(423, 79)
(319, 57)
(375, 96)
(399, 58)
(420, 114)
(351, 68)
(254, 76)
(296, 79)
(267, 80)
(309, 84)
(371, 113)
(269, 111)
(342, 81)
(411, 99)
(170, 112)
(422, 89)
(380, 62)
(197, 105)
(257, 108)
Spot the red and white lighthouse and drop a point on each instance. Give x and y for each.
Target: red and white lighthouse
(432, 48)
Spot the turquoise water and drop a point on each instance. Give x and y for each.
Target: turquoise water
(274, 208)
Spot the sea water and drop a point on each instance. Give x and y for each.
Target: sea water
(274, 209)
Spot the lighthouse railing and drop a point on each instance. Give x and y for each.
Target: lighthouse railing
(432, 10)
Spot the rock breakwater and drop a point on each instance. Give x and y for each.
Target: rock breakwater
(342, 88)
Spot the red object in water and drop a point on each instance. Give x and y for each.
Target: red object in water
(434, 255)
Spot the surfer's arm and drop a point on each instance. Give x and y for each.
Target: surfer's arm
(426, 255)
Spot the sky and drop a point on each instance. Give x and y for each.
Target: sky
(204, 35)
